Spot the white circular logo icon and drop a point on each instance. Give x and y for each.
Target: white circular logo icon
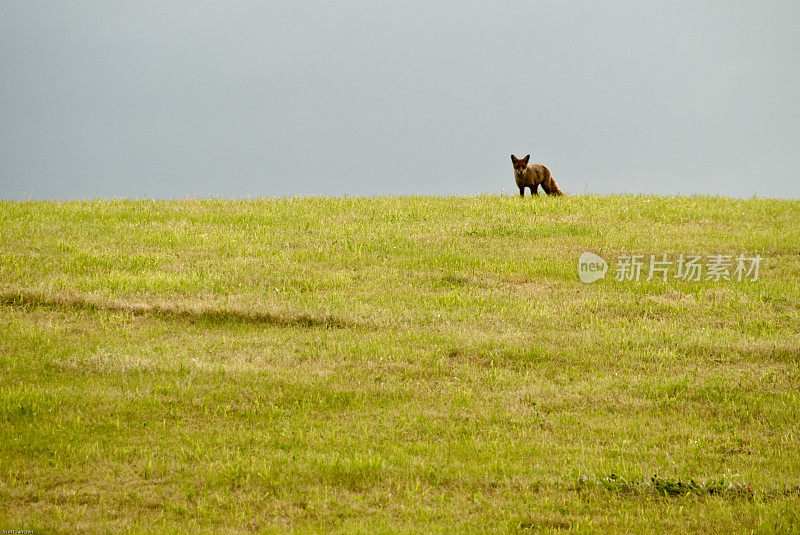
(591, 267)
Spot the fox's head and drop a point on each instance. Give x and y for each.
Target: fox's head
(520, 164)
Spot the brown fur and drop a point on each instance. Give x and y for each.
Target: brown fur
(532, 176)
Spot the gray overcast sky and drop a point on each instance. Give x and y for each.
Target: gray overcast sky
(172, 99)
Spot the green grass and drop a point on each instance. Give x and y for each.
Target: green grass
(411, 364)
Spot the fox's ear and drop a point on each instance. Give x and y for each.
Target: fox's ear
(526, 158)
(513, 158)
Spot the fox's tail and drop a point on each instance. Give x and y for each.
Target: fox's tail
(552, 188)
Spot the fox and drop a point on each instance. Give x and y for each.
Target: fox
(532, 176)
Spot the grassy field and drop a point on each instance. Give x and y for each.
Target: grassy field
(412, 364)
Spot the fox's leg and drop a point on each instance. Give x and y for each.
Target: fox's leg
(522, 191)
(535, 189)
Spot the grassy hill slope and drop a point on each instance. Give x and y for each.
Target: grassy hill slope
(415, 363)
